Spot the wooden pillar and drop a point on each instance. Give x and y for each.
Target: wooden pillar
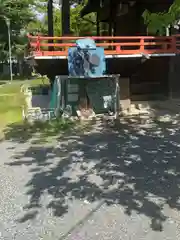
(110, 28)
(141, 28)
(112, 18)
(50, 18)
(98, 25)
(65, 17)
(50, 21)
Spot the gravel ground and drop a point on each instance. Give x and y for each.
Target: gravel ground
(113, 182)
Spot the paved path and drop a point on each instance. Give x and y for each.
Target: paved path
(111, 183)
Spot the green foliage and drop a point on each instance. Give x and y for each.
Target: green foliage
(157, 22)
(82, 26)
(37, 26)
(78, 25)
(20, 13)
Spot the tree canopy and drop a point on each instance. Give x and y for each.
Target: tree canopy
(78, 26)
(19, 13)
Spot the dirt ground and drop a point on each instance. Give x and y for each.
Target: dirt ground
(112, 181)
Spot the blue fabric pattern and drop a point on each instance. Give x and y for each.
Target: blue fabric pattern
(86, 60)
(86, 43)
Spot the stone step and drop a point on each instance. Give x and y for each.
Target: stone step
(34, 114)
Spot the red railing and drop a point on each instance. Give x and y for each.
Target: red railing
(113, 45)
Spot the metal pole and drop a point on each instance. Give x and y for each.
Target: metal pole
(117, 97)
(10, 56)
(10, 53)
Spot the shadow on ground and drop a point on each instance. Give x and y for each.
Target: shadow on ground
(134, 163)
(2, 82)
(15, 78)
(38, 132)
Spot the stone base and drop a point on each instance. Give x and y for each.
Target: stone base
(125, 102)
(86, 114)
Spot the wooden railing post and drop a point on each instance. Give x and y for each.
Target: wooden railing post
(173, 44)
(142, 44)
(164, 46)
(38, 46)
(118, 48)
